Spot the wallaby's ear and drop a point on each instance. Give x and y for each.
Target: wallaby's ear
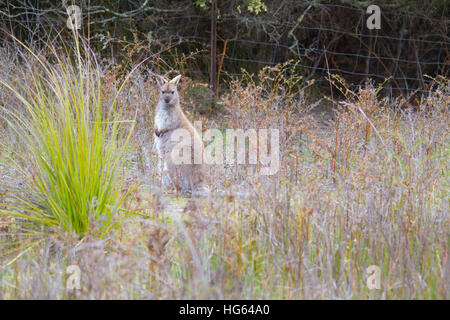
(176, 79)
(160, 80)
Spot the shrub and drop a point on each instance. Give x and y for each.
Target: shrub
(72, 147)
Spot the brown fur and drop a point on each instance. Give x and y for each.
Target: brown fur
(186, 178)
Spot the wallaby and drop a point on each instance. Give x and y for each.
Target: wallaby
(184, 178)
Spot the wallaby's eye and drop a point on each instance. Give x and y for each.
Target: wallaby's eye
(171, 92)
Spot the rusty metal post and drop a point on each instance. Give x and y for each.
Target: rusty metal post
(213, 73)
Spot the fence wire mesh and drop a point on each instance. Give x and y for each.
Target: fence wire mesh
(320, 39)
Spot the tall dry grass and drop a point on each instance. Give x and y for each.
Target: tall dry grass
(368, 187)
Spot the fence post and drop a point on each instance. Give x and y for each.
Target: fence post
(213, 73)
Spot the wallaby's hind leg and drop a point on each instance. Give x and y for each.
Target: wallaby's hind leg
(166, 181)
(165, 175)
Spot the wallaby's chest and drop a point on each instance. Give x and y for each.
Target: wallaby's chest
(167, 118)
(162, 119)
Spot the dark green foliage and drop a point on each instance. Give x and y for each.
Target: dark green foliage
(321, 35)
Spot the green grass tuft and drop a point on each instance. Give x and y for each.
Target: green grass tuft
(71, 148)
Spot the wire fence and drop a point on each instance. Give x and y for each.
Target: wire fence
(409, 50)
(415, 58)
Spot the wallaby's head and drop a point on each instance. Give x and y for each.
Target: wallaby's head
(168, 92)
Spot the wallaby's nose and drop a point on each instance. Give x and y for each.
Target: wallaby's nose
(166, 99)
